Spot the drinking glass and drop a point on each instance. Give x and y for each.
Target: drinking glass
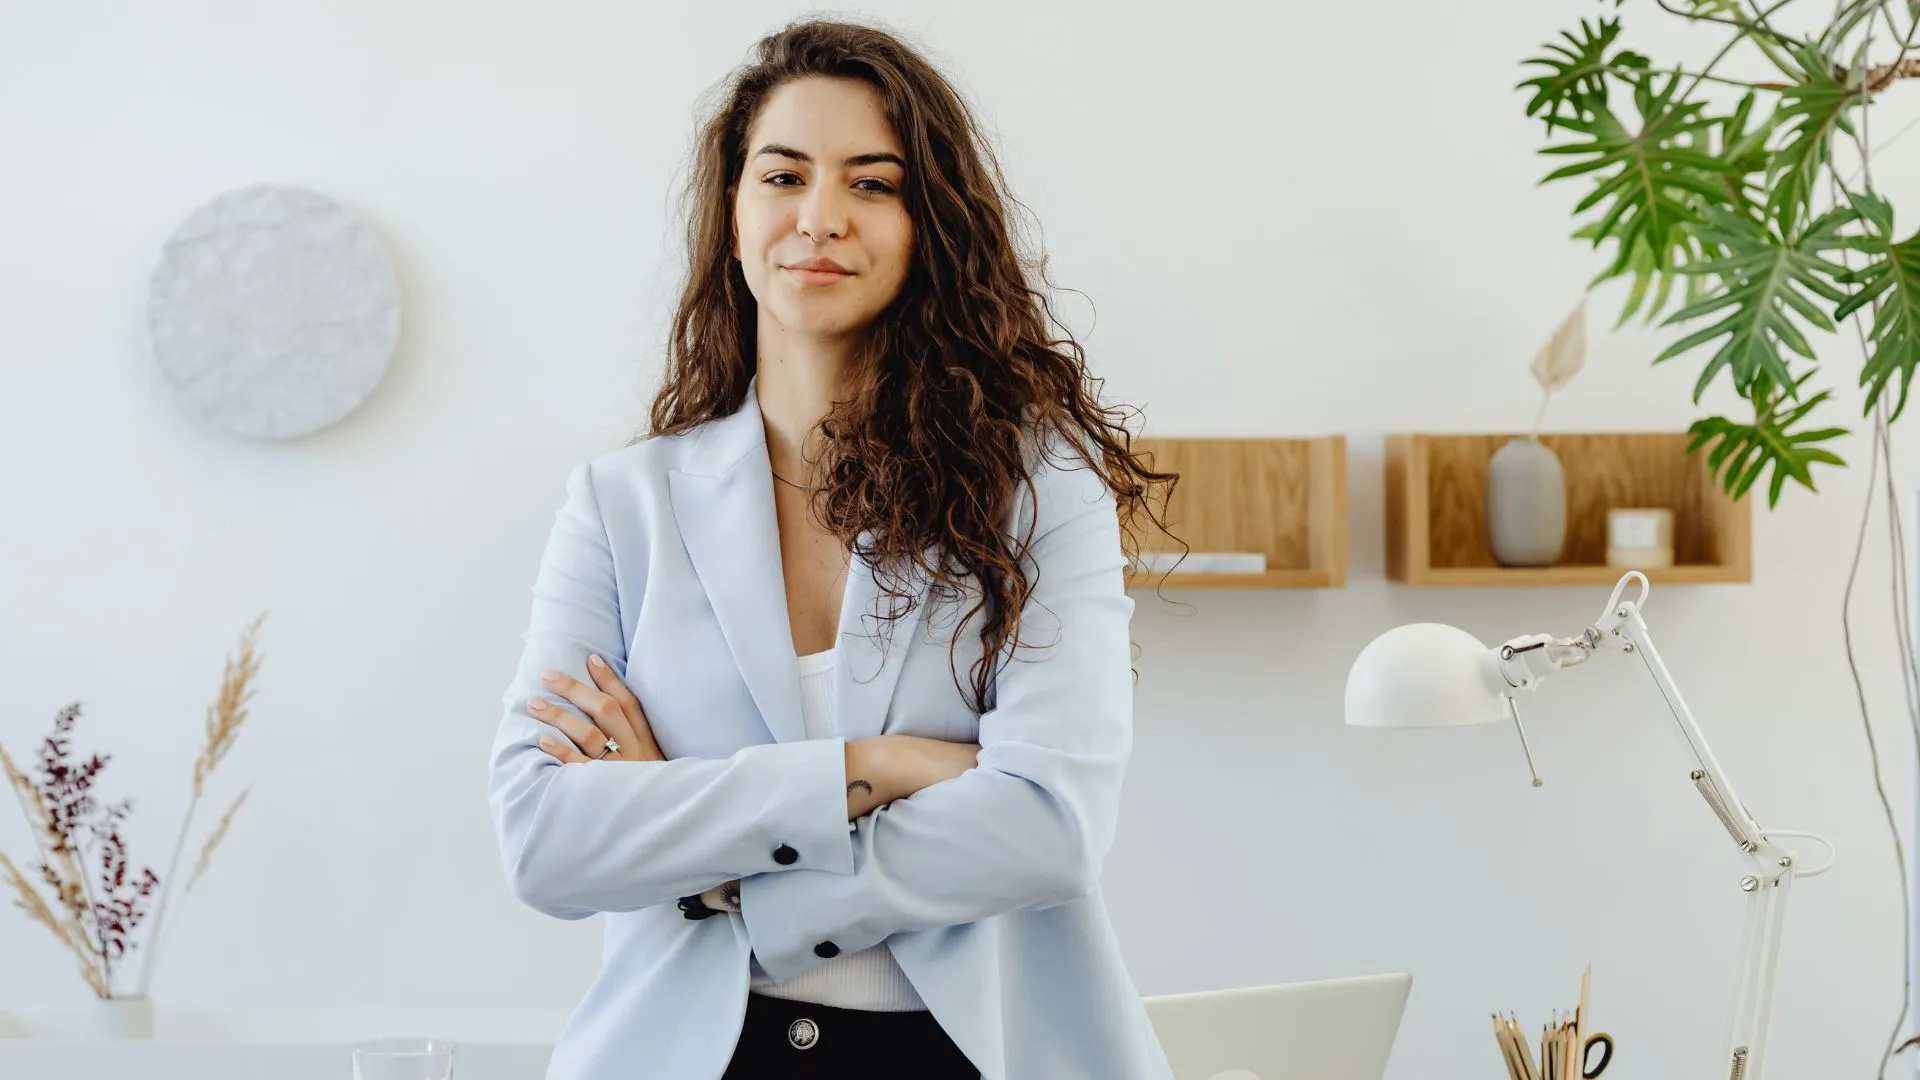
(403, 1058)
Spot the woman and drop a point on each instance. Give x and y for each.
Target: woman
(826, 698)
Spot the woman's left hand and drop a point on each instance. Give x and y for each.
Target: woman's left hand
(616, 718)
(723, 897)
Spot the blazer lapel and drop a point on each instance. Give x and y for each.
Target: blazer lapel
(723, 501)
(872, 647)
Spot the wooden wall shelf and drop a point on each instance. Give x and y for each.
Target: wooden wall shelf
(1436, 510)
(1284, 498)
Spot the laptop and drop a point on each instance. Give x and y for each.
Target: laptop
(1335, 1029)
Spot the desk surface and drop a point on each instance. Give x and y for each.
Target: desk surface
(62, 1059)
(48, 1043)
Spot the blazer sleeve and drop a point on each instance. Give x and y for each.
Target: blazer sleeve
(1030, 826)
(583, 838)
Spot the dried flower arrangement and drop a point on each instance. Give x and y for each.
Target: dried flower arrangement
(1560, 359)
(97, 901)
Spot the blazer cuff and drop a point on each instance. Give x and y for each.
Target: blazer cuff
(811, 782)
(775, 908)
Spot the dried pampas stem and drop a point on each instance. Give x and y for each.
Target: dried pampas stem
(213, 841)
(229, 712)
(75, 929)
(224, 719)
(1561, 358)
(56, 848)
(70, 933)
(59, 811)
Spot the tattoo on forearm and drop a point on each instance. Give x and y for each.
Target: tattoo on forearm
(862, 785)
(730, 895)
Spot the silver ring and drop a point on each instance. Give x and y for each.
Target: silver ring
(612, 748)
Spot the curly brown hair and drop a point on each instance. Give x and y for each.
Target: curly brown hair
(956, 379)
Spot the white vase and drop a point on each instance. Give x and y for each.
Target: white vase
(1526, 504)
(120, 1018)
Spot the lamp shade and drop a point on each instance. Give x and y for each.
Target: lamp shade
(1425, 675)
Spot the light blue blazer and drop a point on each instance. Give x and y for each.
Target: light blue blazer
(665, 560)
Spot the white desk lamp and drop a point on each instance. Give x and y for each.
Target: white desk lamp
(1433, 675)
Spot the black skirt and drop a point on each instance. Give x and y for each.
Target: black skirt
(794, 1040)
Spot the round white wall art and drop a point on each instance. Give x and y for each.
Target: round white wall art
(274, 310)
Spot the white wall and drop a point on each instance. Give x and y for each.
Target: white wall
(1293, 219)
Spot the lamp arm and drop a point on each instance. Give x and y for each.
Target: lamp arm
(1524, 662)
(1773, 869)
(1767, 885)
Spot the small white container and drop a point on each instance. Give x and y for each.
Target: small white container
(1639, 536)
(1201, 562)
(123, 1018)
(98, 1018)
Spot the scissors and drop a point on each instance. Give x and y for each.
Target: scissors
(1589, 1071)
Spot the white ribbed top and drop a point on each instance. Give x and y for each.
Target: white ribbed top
(868, 979)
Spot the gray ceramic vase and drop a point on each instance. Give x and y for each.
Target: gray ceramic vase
(1526, 504)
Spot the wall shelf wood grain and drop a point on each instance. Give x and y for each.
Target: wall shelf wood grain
(1436, 510)
(1284, 498)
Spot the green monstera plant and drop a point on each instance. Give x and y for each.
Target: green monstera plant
(1744, 210)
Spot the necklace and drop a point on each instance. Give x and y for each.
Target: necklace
(791, 484)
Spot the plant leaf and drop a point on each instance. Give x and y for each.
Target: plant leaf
(1810, 110)
(1576, 71)
(1648, 183)
(1890, 281)
(1650, 175)
(1765, 282)
(1646, 269)
(1561, 358)
(1742, 453)
(1745, 150)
